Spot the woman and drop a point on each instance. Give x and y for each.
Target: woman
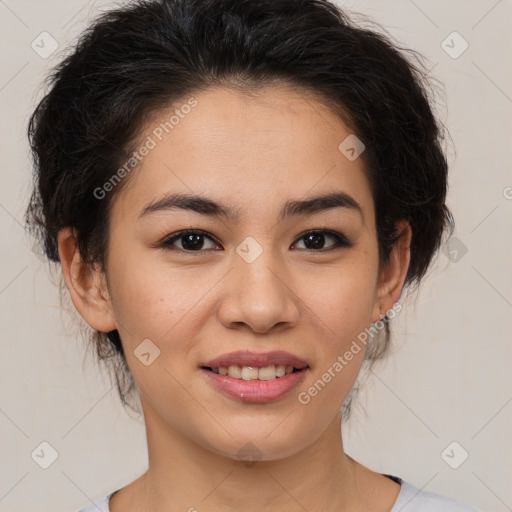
(238, 193)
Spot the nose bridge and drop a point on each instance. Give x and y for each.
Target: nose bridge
(258, 294)
(256, 268)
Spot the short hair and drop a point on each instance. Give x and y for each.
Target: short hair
(135, 60)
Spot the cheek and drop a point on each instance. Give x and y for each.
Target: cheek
(159, 307)
(150, 302)
(341, 303)
(342, 297)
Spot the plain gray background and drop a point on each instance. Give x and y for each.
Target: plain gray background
(448, 377)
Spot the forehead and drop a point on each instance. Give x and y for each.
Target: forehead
(247, 148)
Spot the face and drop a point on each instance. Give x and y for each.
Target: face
(299, 280)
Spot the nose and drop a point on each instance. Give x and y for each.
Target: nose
(259, 295)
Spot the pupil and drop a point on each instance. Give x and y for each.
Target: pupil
(318, 240)
(192, 241)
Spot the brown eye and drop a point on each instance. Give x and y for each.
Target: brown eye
(194, 241)
(315, 240)
(191, 241)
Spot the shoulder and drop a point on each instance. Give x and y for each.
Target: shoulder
(99, 506)
(412, 499)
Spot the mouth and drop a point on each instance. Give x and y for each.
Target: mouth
(249, 365)
(247, 373)
(255, 376)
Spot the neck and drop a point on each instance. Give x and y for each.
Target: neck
(185, 476)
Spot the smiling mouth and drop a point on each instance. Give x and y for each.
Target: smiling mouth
(270, 372)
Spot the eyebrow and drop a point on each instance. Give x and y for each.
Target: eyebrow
(205, 206)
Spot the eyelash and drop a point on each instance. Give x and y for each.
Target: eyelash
(341, 240)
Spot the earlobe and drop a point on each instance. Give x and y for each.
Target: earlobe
(86, 284)
(393, 273)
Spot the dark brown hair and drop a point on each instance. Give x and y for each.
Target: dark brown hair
(139, 58)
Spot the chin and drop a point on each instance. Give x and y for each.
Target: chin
(262, 443)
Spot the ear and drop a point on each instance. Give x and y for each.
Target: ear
(86, 284)
(393, 272)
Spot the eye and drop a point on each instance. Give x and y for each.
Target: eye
(314, 239)
(191, 240)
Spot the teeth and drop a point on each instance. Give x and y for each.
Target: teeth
(267, 373)
(254, 373)
(235, 372)
(249, 373)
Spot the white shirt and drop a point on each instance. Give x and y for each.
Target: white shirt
(410, 499)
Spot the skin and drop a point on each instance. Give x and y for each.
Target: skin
(253, 152)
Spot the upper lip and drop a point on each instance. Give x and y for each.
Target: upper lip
(260, 359)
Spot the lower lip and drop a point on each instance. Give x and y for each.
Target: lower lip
(255, 390)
